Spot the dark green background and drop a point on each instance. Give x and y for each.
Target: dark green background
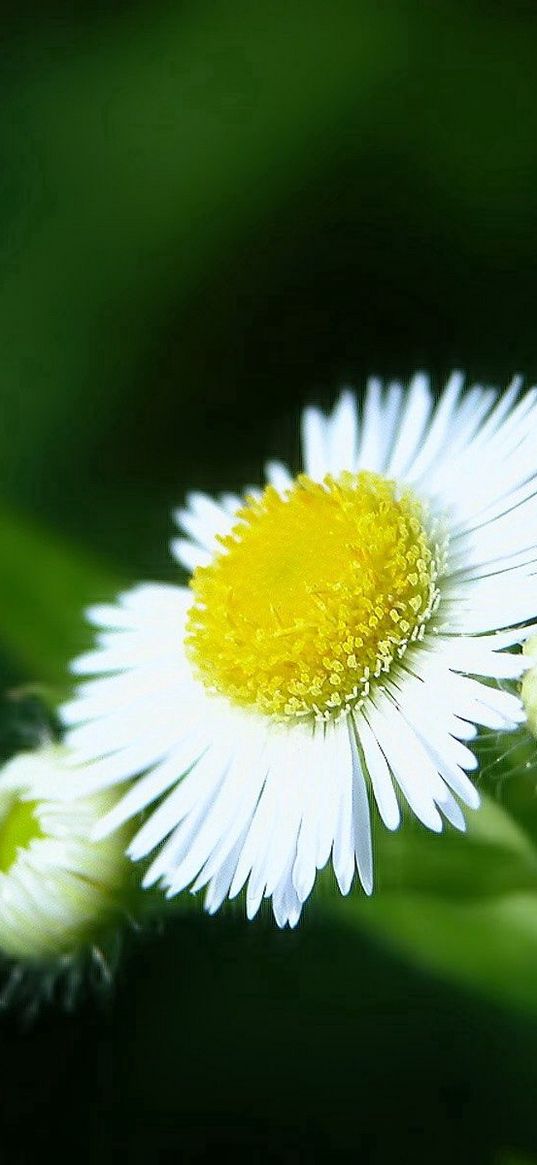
(210, 214)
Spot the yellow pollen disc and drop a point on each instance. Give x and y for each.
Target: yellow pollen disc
(315, 593)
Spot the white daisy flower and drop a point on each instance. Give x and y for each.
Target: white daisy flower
(343, 633)
(57, 886)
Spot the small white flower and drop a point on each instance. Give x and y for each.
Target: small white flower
(327, 649)
(58, 887)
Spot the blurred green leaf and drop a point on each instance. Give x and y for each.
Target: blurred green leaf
(461, 906)
(135, 162)
(493, 857)
(44, 585)
(515, 1159)
(487, 944)
(465, 908)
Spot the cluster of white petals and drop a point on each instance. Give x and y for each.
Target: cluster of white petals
(238, 799)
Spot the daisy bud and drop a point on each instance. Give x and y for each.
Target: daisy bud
(529, 685)
(60, 892)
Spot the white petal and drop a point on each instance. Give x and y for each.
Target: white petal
(226, 819)
(361, 820)
(188, 554)
(413, 420)
(123, 765)
(414, 772)
(111, 615)
(342, 434)
(204, 520)
(278, 475)
(218, 887)
(378, 772)
(198, 787)
(158, 781)
(453, 813)
(314, 444)
(231, 503)
(436, 438)
(380, 420)
(305, 865)
(343, 858)
(260, 832)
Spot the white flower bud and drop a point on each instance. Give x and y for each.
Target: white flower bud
(529, 685)
(59, 890)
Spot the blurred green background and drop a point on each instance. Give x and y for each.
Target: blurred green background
(210, 214)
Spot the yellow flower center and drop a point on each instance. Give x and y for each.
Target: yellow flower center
(315, 593)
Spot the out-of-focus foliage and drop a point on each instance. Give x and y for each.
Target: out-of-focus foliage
(464, 906)
(135, 162)
(515, 1159)
(43, 586)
